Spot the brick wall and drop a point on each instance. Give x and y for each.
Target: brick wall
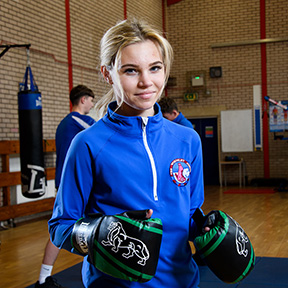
(192, 26)
(43, 25)
(195, 25)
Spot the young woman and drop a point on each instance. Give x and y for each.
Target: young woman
(134, 159)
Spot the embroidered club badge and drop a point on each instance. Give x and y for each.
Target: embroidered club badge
(180, 171)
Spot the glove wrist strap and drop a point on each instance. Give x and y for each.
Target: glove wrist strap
(82, 234)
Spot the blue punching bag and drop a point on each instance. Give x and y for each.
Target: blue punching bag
(31, 137)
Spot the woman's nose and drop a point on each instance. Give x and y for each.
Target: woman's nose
(144, 80)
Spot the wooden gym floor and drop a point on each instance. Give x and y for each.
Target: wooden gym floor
(263, 217)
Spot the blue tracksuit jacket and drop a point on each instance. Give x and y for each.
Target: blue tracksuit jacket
(180, 119)
(129, 163)
(70, 126)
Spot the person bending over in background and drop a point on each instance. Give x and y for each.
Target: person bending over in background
(81, 98)
(170, 111)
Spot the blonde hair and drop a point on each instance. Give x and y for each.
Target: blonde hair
(121, 35)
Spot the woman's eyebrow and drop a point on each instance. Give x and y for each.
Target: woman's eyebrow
(134, 65)
(128, 65)
(156, 62)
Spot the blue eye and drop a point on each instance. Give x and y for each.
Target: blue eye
(156, 68)
(130, 71)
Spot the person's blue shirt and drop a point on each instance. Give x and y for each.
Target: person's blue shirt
(71, 125)
(180, 119)
(101, 174)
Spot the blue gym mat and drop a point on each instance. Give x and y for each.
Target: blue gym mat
(267, 273)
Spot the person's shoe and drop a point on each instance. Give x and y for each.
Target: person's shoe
(50, 282)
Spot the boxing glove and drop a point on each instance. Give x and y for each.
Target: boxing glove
(125, 246)
(226, 249)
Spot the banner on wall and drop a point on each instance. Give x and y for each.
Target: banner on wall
(257, 116)
(278, 117)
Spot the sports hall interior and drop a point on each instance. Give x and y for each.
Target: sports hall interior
(229, 55)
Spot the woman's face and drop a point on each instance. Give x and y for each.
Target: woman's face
(142, 76)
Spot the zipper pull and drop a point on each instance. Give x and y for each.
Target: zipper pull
(144, 122)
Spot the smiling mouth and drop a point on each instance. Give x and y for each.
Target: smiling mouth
(147, 94)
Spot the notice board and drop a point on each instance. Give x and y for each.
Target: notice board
(236, 130)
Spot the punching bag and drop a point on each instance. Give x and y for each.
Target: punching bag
(31, 137)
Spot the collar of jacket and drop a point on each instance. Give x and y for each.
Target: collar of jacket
(178, 118)
(132, 125)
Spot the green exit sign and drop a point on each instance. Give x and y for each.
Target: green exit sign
(191, 96)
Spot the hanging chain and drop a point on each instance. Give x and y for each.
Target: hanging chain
(28, 56)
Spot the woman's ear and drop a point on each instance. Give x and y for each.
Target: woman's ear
(106, 75)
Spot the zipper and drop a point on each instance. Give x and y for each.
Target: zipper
(152, 162)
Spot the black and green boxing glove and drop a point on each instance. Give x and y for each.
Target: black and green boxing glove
(125, 246)
(226, 249)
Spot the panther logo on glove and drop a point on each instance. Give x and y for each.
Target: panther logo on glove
(117, 238)
(241, 240)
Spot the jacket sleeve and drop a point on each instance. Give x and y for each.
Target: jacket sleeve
(196, 184)
(73, 193)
